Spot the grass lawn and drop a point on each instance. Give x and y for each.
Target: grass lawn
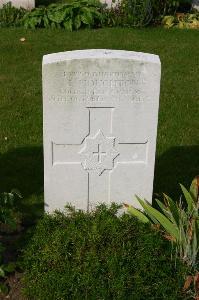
(21, 162)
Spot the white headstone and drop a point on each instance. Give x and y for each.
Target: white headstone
(100, 120)
(110, 3)
(27, 4)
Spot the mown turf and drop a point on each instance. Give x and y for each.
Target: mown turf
(21, 162)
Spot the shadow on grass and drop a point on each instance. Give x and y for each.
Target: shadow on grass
(177, 165)
(22, 168)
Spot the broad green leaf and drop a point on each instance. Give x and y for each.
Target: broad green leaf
(161, 205)
(188, 198)
(173, 208)
(151, 217)
(36, 12)
(194, 188)
(86, 16)
(138, 214)
(163, 221)
(46, 21)
(56, 16)
(68, 12)
(77, 22)
(32, 24)
(168, 21)
(68, 25)
(76, 5)
(165, 210)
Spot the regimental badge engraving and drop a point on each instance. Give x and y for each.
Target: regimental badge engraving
(99, 153)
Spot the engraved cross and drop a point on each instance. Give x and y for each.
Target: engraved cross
(99, 153)
(110, 153)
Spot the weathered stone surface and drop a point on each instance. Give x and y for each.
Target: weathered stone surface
(100, 119)
(27, 4)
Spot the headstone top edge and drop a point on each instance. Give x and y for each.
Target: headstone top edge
(100, 53)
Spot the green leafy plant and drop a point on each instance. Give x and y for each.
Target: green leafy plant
(129, 13)
(83, 13)
(10, 16)
(182, 21)
(137, 13)
(179, 221)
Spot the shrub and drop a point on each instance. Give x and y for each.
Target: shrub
(130, 13)
(76, 14)
(137, 13)
(98, 255)
(83, 13)
(182, 21)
